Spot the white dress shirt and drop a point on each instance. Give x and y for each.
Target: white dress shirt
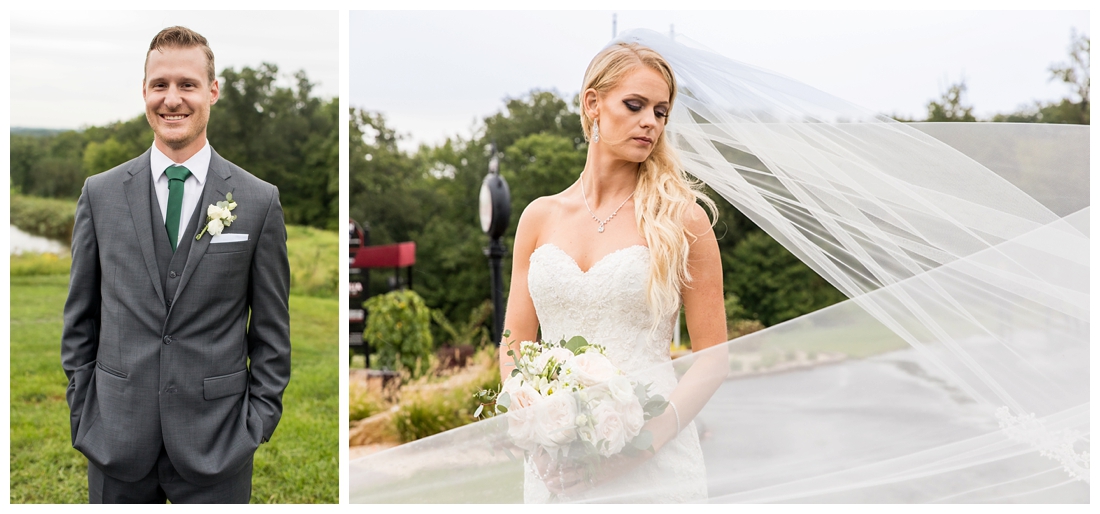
(192, 187)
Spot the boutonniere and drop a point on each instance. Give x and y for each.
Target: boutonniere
(219, 216)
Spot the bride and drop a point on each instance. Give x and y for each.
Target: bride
(958, 371)
(612, 257)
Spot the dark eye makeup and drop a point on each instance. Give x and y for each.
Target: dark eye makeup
(636, 106)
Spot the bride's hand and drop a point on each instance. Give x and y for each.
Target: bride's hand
(565, 476)
(570, 476)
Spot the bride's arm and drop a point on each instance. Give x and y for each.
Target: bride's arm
(520, 319)
(705, 314)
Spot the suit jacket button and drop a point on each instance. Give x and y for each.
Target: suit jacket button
(171, 274)
(167, 339)
(170, 390)
(168, 303)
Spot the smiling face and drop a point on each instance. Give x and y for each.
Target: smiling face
(178, 95)
(632, 114)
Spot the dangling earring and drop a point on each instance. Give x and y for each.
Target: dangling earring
(596, 131)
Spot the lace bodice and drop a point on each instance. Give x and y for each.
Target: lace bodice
(606, 304)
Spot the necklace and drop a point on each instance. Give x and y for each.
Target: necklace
(613, 213)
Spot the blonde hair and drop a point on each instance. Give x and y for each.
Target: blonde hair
(665, 194)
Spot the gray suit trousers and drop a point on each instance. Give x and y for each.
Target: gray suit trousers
(164, 483)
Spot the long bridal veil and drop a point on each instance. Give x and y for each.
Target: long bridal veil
(958, 371)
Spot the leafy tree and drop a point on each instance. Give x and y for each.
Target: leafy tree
(538, 165)
(539, 112)
(132, 136)
(104, 156)
(385, 184)
(1075, 74)
(56, 177)
(55, 170)
(24, 151)
(950, 106)
(1064, 111)
(282, 135)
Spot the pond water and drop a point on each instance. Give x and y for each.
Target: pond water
(25, 242)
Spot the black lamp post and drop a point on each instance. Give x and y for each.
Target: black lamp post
(495, 209)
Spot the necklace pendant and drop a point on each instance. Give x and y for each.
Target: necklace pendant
(600, 230)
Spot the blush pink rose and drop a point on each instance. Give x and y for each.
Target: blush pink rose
(555, 420)
(590, 368)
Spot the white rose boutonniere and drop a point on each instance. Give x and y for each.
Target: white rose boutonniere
(219, 216)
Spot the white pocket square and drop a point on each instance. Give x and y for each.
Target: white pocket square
(228, 238)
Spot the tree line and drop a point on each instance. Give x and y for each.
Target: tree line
(282, 134)
(1072, 109)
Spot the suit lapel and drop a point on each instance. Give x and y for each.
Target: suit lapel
(216, 187)
(137, 199)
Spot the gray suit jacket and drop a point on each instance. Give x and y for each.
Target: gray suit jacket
(191, 372)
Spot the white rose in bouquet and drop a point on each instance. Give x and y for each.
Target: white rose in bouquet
(633, 417)
(555, 418)
(621, 390)
(521, 393)
(609, 430)
(521, 418)
(630, 408)
(589, 368)
(521, 428)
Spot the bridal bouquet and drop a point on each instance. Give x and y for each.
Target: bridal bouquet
(568, 399)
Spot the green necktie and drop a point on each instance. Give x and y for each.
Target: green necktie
(176, 176)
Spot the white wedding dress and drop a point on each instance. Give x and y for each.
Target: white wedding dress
(607, 306)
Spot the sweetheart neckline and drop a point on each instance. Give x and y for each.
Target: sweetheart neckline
(595, 264)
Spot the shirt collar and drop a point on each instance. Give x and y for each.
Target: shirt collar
(198, 164)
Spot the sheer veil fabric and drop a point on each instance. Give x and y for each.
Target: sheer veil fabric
(958, 370)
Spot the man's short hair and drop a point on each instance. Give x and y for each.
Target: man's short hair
(182, 37)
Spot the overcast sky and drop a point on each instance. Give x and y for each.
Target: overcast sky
(71, 69)
(434, 74)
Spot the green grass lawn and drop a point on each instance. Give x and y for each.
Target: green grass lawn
(314, 257)
(299, 465)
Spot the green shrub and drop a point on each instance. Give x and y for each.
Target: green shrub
(473, 332)
(449, 404)
(399, 331)
(46, 217)
(363, 403)
(430, 414)
(743, 327)
(771, 284)
(29, 264)
(734, 310)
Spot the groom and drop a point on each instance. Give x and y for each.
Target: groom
(177, 338)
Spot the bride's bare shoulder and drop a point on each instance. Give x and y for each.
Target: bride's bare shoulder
(539, 211)
(536, 216)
